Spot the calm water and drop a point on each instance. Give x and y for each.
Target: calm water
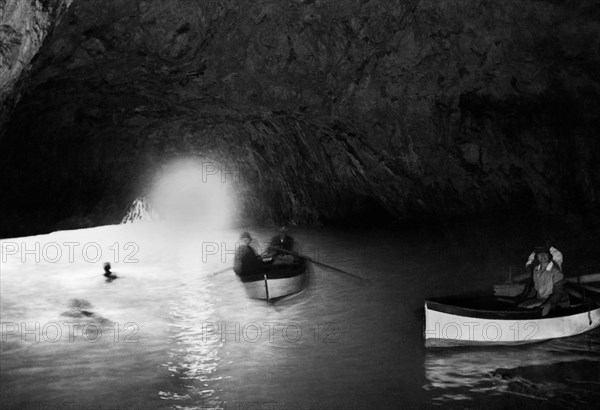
(170, 334)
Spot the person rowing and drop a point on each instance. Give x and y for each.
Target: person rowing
(281, 248)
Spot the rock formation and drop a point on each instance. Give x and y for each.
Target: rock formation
(24, 25)
(328, 109)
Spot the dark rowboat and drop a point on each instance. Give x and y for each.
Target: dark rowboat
(276, 281)
(478, 319)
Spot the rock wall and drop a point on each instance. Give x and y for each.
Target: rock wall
(329, 109)
(24, 25)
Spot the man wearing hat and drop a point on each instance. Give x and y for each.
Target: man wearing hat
(246, 262)
(557, 257)
(548, 282)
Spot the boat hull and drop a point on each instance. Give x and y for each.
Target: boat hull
(282, 280)
(447, 325)
(277, 287)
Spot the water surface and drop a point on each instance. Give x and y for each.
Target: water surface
(173, 335)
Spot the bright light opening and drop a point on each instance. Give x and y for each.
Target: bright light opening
(194, 192)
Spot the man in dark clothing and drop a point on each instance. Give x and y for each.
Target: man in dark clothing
(246, 262)
(279, 244)
(281, 241)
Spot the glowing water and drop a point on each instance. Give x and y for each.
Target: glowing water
(174, 335)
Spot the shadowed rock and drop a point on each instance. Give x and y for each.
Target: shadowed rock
(327, 110)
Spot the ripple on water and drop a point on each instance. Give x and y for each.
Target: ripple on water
(194, 352)
(563, 372)
(368, 354)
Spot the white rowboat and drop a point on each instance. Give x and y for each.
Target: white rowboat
(276, 281)
(477, 320)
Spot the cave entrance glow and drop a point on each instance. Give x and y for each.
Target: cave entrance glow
(196, 192)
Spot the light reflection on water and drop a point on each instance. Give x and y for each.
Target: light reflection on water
(562, 372)
(194, 355)
(347, 346)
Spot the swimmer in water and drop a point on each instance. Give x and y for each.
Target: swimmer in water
(108, 274)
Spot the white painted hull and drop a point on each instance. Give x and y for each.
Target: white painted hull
(445, 329)
(277, 287)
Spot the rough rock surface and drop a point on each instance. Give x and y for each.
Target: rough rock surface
(327, 108)
(24, 25)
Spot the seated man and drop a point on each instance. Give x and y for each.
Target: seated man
(557, 257)
(279, 245)
(246, 262)
(532, 262)
(548, 282)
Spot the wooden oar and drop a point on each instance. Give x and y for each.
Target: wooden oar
(509, 290)
(222, 270)
(579, 291)
(572, 291)
(320, 263)
(592, 277)
(591, 288)
(577, 282)
(512, 301)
